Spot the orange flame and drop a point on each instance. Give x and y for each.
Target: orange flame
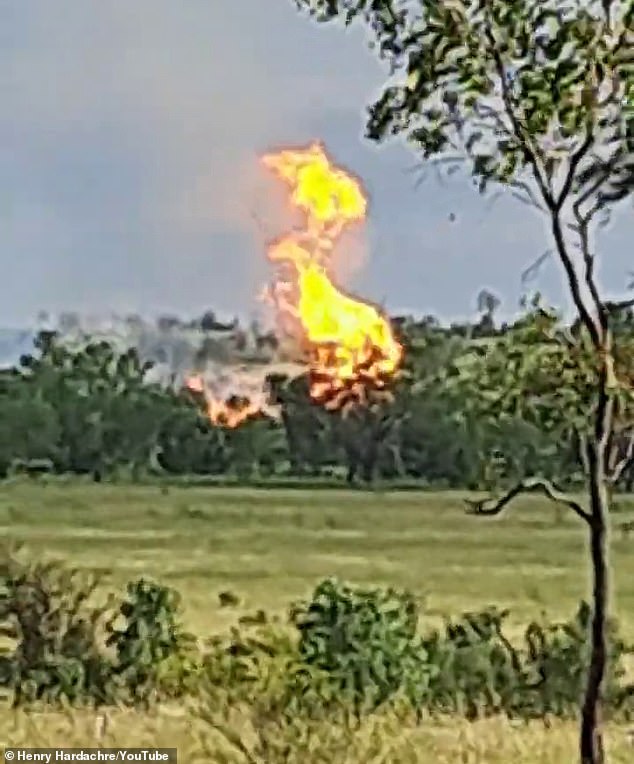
(229, 413)
(350, 343)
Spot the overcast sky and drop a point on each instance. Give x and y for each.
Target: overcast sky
(129, 137)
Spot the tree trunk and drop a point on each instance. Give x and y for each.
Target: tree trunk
(369, 465)
(352, 467)
(591, 738)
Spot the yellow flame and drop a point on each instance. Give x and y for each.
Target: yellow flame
(349, 340)
(224, 413)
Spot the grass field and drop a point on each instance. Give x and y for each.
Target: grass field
(270, 547)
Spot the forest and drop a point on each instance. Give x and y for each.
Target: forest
(471, 407)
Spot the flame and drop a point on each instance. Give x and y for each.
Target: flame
(349, 342)
(226, 413)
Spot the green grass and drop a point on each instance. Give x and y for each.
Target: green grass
(272, 546)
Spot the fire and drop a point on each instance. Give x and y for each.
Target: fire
(226, 413)
(350, 343)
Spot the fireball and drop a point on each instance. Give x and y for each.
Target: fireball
(349, 342)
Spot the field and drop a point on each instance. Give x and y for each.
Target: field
(271, 547)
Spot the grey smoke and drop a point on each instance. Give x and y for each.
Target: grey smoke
(231, 360)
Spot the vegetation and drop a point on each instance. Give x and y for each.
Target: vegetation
(285, 665)
(88, 411)
(537, 98)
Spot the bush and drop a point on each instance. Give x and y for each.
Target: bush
(61, 646)
(56, 652)
(261, 667)
(556, 659)
(476, 669)
(154, 655)
(352, 651)
(364, 641)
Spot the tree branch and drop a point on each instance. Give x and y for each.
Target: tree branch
(531, 155)
(583, 221)
(614, 307)
(573, 281)
(533, 268)
(588, 260)
(572, 169)
(627, 458)
(604, 170)
(583, 453)
(521, 133)
(528, 485)
(526, 189)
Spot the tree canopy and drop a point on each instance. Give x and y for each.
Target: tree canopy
(454, 420)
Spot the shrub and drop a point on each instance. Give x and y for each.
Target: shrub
(352, 650)
(477, 670)
(556, 659)
(254, 665)
(364, 641)
(57, 654)
(262, 667)
(154, 655)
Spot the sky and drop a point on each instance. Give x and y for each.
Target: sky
(129, 177)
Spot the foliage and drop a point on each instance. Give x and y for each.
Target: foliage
(45, 612)
(465, 412)
(152, 650)
(353, 650)
(365, 641)
(557, 655)
(537, 99)
(62, 642)
(477, 670)
(508, 87)
(480, 671)
(356, 651)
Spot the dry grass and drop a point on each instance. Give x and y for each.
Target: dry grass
(270, 547)
(449, 741)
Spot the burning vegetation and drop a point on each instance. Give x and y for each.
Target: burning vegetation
(229, 412)
(348, 344)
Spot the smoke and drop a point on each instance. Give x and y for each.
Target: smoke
(246, 381)
(230, 359)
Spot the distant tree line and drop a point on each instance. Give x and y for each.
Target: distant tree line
(90, 411)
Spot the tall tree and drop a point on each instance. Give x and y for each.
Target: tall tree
(536, 96)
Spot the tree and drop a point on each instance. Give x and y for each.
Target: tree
(105, 415)
(488, 303)
(167, 323)
(307, 427)
(29, 428)
(535, 96)
(365, 431)
(68, 322)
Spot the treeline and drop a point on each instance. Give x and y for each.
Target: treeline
(92, 412)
